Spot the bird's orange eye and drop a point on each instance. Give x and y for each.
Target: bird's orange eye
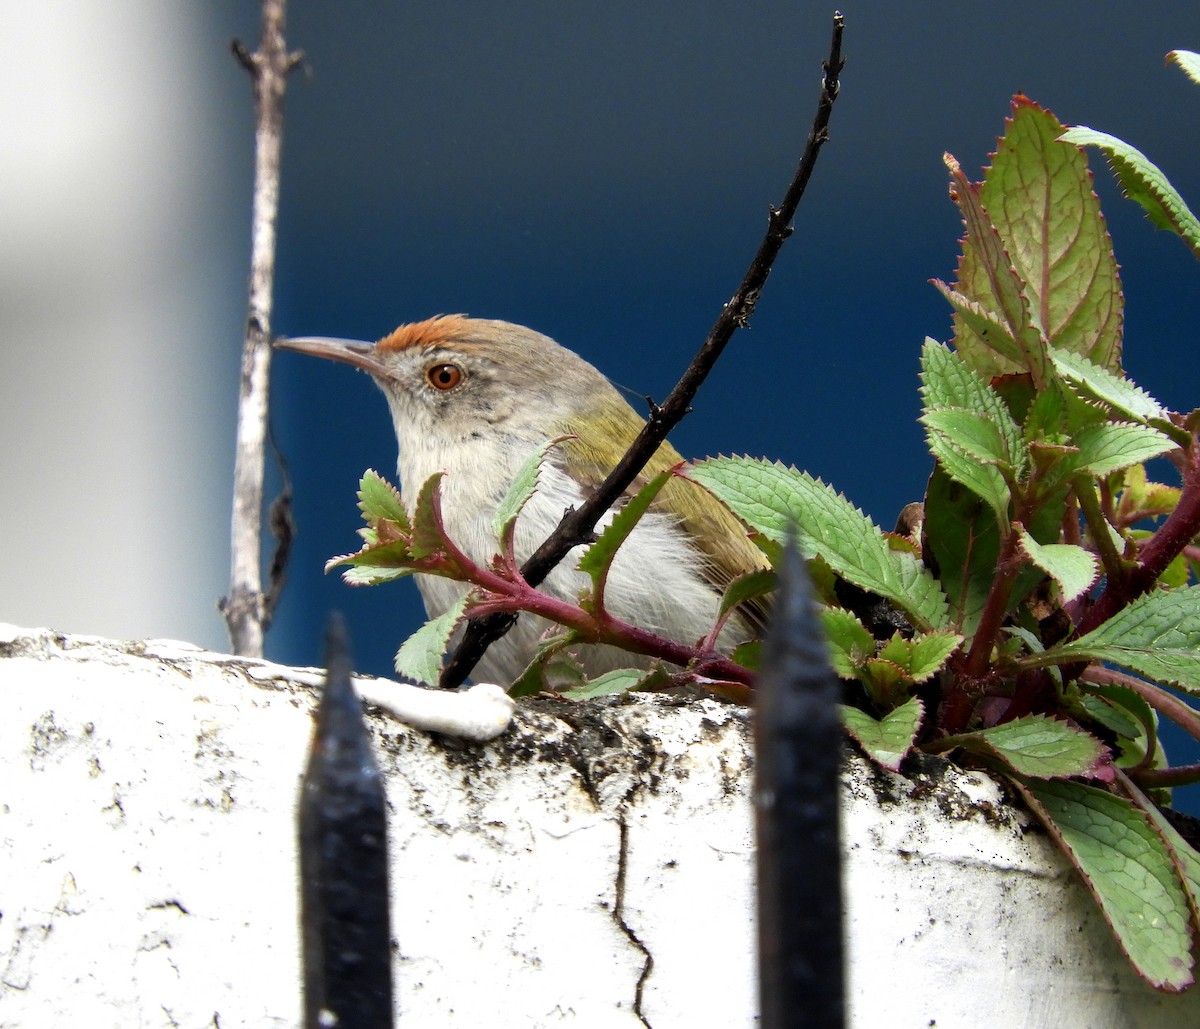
(443, 377)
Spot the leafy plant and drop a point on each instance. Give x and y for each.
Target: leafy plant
(1040, 613)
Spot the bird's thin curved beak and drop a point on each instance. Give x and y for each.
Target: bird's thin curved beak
(348, 351)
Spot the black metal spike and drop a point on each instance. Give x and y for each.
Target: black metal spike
(798, 743)
(344, 862)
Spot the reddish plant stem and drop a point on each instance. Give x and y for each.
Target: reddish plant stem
(511, 592)
(1180, 775)
(1008, 566)
(1176, 533)
(508, 595)
(1166, 704)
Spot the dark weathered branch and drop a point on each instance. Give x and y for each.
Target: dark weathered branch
(578, 526)
(246, 609)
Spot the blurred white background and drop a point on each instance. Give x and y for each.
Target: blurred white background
(124, 148)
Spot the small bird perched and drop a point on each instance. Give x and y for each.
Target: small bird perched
(474, 398)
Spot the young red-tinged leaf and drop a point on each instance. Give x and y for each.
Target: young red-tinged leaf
(887, 683)
(1038, 746)
(378, 500)
(621, 680)
(420, 656)
(1143, 499)
(1039, 196)
(1189, 61)
(375, 562)
(1158, 636)
(1129, 871)
(428, 533)
(1072, 567)
(986, 275)
(772, 499)
(1143, 183)
(888, 740)
(976, 324)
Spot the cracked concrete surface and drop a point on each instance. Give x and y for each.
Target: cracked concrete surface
(591, 866)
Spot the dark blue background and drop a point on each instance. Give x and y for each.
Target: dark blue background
(602, 173)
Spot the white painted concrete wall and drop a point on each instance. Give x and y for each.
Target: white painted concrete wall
(147, 865)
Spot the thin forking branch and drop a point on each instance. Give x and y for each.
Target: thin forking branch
(247, 610)
(578, 525)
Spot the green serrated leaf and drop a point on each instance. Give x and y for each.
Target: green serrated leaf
(1127, 867)
(1038, 746)
(1189, 61)
(1115, 391)
(1109, 447)
(887, 740)
(748, 655)
(372, 575)
(964, 538)
(974, 434)
(420, 656)
(553, 666)
(746, 587)
(597, 559)
(1143, 182)
(983, 480)
(621, 680)
(378, 499)
(929, 652)
(947, 382)
(1127, 714)
(1072, 567)
(771, 498)
(1111, 716)
(520, 490)
(850, 642)
(1158, 636)
(1186, 858)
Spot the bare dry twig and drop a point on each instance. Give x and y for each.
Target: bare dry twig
(247, 610)
(578, 526)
